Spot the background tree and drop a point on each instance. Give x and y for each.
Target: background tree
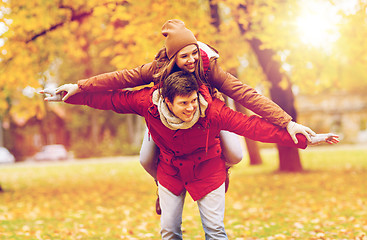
(275, 32)
(62, 41)
(252, 147)
(84, 38)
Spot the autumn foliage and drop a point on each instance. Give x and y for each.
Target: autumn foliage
(63, 41)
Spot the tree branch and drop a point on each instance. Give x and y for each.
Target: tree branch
(75, 16)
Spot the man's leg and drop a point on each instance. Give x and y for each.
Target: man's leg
(171, 218)
(211, 209)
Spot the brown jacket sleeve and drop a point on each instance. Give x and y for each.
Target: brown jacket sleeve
(246, 95)
(138, 76)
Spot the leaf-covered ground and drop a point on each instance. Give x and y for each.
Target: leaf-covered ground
(114, 199)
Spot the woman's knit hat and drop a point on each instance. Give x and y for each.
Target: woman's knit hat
(177, 36)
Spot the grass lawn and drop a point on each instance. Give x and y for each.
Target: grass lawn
(114, 199)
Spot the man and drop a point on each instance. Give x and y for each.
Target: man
(184, 121)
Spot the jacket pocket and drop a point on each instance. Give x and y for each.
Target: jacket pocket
(168, 169)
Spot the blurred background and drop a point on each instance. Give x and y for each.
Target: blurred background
(308, 56)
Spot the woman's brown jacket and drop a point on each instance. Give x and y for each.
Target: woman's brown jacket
(217, 77)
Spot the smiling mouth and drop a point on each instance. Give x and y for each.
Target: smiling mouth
(188, 114)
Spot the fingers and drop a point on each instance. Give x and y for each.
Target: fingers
(307, 135)
(51, 99)
(309, 131)
(47, 91)
(332, 139)
(50, 95)
(295, 140)
(64, 88)
(60, 89)
(70, 89)
(303, 130)
(294, 128)
(66, 97)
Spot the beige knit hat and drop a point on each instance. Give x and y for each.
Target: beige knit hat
(177, 36)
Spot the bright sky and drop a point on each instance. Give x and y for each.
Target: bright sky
(318, 20)
(3, 29)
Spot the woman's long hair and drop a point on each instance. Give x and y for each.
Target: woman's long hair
(167, 66)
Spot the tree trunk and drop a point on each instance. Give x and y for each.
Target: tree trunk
(1, 134)
(139, 130)
(214, 14)
(289, 159)
(134, 129)
(95, 127)
(44, 125)
(252, 147)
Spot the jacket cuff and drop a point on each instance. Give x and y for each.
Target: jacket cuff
(81, 84)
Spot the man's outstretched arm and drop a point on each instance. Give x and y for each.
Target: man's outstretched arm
(259, 129)
(120, 101)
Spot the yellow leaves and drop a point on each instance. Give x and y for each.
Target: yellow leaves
(126, 31)
(100, 11)
(121, 13)
(121, 61)
(284, 84)
(106, 52)
(277, 237)
(114, 199)
(3, 103)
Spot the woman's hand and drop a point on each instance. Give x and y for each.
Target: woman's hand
(70, 90)
(51, 95)
(293, 128)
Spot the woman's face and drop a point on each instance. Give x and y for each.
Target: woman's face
(187, 57)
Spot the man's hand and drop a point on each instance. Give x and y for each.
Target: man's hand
(294, 128)
(51, 95)
(327, 137)
(70, 88)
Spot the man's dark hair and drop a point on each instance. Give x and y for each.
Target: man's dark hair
(179, 83)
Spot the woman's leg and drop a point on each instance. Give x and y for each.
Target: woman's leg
(231, 148)
(171, 218)
(149, 153)
(211, 209)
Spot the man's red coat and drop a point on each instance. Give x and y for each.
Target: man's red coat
(189, 158)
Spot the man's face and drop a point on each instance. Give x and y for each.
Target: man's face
(184, 107)
(187, 58)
